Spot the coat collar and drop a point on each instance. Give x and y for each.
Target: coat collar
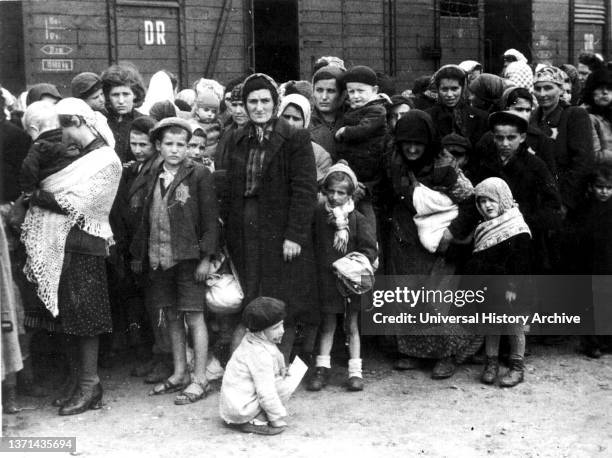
(183, 172)
(143, 176)
(280, 133)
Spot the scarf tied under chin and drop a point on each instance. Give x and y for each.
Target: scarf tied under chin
(338, 216)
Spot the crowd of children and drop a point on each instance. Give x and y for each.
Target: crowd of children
(120, 204)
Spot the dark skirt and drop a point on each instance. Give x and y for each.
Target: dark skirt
(84, 306)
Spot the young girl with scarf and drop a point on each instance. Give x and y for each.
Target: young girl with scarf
(502, 244)
(339, 229)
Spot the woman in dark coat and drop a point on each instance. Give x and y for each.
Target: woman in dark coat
(416, 161)
(571, 129)
(452, 113)
(272, 194)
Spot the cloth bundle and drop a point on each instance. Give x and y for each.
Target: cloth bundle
(434, 213)
(355, 272)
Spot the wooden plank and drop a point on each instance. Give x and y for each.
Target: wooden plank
(68, 7)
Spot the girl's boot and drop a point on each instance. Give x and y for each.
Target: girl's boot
(491, 369)
(516, 373)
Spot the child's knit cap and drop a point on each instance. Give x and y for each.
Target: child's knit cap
(263, 312)
(360, 74)
(207, 99)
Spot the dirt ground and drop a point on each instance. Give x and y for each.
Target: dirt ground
(563, 409)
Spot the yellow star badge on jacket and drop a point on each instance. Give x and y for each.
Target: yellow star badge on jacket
(182, 193)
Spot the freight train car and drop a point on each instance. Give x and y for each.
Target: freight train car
(52, 40)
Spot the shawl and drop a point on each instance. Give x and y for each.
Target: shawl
(509, 223)
(160, 90)
(301, 102)
(496, 230)
(85, 190)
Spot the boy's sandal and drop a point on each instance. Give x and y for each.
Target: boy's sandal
(265, 430)
(188, 396)
(167, 387)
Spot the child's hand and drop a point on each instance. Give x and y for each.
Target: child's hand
(510, 296)
(202, 270)
(339, 133)
(278, 423)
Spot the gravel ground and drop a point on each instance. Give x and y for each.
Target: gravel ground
(562, 409)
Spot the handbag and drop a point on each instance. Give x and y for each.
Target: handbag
(224, 294)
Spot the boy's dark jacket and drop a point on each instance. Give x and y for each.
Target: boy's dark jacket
(194, 216)
(362, 143)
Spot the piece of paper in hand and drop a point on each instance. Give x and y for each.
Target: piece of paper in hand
(297, 370)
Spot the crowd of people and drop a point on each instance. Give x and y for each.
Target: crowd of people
(224, 228)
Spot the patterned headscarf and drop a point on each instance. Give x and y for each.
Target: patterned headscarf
(498, 190)
(550, 74)
(520, 74)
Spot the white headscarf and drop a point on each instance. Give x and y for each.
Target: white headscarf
(160, 90)
(95, 120)
(299, 100)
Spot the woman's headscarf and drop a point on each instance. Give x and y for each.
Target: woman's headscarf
(489, 88)
(301, 102)
(160, 90)
(520, 74)
(95, 120)
(517, 55)
(258, 81)
(417, 126)
(470, 65)
(550, 74)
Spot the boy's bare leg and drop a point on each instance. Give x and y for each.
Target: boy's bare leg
(177, 338)
(199, 334)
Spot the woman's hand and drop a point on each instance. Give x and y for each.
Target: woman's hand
(202, 270)
(291, 250)
(339, 133)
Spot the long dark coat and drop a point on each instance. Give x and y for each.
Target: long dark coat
(287, 197)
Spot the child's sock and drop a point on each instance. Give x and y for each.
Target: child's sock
(325, 361)
(354, 367)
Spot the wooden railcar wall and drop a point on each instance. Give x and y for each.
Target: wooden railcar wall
(350, 29)
(550, 31)
(82, 25)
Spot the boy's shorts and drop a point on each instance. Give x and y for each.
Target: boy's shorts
(176, 288)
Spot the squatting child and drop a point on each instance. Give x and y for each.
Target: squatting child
(176, 239)
(254, 389)
(339, 229)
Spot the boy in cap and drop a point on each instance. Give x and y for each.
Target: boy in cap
(177, 238)
(457, 146)
(88, 86)
(253, 391)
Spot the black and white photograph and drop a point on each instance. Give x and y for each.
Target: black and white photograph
(300, 228)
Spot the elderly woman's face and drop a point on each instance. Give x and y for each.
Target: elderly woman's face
(449, 92)
(121, 99)
(413, 151)
(293, 116)
(260, 106)
(547, 94)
